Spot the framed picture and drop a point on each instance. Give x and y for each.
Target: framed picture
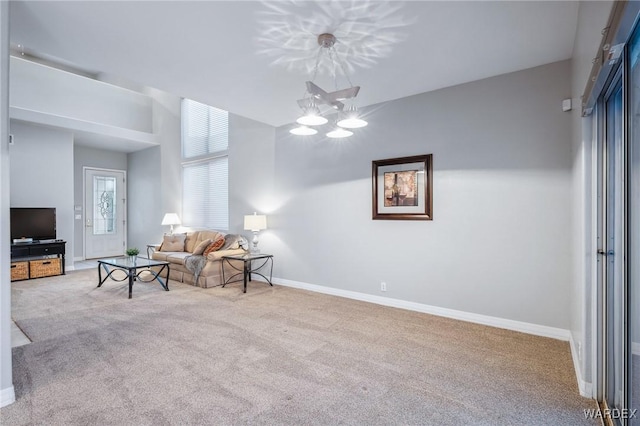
(403, 188)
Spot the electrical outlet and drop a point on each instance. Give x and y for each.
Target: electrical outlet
(383, 286)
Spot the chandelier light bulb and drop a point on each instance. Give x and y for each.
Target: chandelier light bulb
(352, 123)
(352, 119)
(303, 131)
(312, 117)
(311, 120)
(339, 132)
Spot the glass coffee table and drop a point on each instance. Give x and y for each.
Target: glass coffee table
(248, 267)
(133, 267)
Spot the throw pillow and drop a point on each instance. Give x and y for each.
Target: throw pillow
(173, 242)
(214, 246)
(200, 248)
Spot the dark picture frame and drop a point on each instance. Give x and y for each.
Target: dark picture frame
(403, 188)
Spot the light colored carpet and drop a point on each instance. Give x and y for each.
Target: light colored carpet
(274, 355)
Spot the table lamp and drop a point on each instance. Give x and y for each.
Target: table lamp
(254, 223)
(171, 219)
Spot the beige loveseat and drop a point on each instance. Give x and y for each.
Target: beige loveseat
(211, 274)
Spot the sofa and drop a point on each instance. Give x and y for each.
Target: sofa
(211, 245)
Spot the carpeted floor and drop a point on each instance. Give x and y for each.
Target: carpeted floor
(274, 355)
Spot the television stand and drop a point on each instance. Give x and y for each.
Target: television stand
(37, 259)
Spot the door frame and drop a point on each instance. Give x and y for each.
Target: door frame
(601, 166)
(84, 204)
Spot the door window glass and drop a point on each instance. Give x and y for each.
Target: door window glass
(104, 205)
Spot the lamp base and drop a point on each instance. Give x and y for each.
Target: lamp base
(254, 248)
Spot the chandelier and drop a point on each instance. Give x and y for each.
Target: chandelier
(348, 117)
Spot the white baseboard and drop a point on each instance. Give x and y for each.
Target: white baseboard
(585, 388)
(7, 396)
(523, 327)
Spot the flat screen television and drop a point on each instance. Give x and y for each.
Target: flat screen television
(38, 223)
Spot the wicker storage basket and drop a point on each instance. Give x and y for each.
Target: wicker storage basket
(44, 267)
(19, 271)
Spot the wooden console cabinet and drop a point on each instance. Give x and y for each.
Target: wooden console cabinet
(36, 260)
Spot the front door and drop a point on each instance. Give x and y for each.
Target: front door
(104, 206)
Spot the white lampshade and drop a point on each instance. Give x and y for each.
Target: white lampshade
(352, 123)
(352, 119)
(171, 219)
(303, 131)
(311, 120)
(339, 132)
(311, 117)
(255, 222)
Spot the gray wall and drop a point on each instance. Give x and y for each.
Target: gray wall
(155, 175)
(42, 175)
(167, 125)
(251, 170)
(145, 198)
(84, 156)
(499, 244)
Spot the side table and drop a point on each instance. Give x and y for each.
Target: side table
(248, 267)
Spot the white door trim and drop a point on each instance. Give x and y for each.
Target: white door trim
(84, 203)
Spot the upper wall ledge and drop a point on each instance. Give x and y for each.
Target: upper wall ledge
(89, 133)
(48, 90)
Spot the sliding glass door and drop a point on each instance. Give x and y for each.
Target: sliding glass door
(611, 249)
(619, 240)
(613, 92)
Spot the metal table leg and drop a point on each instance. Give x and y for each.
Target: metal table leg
(131, 275)
(247, 272)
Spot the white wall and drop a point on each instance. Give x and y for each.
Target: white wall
(42, 175)
(592, 18)
(49, 90)
(7, 394)
(499, 244)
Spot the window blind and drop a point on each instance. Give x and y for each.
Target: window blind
(205, 129)
(205, 168)
(206, 194)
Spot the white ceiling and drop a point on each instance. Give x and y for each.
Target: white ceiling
(249, 57)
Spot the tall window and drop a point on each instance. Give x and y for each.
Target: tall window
(205, 166)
